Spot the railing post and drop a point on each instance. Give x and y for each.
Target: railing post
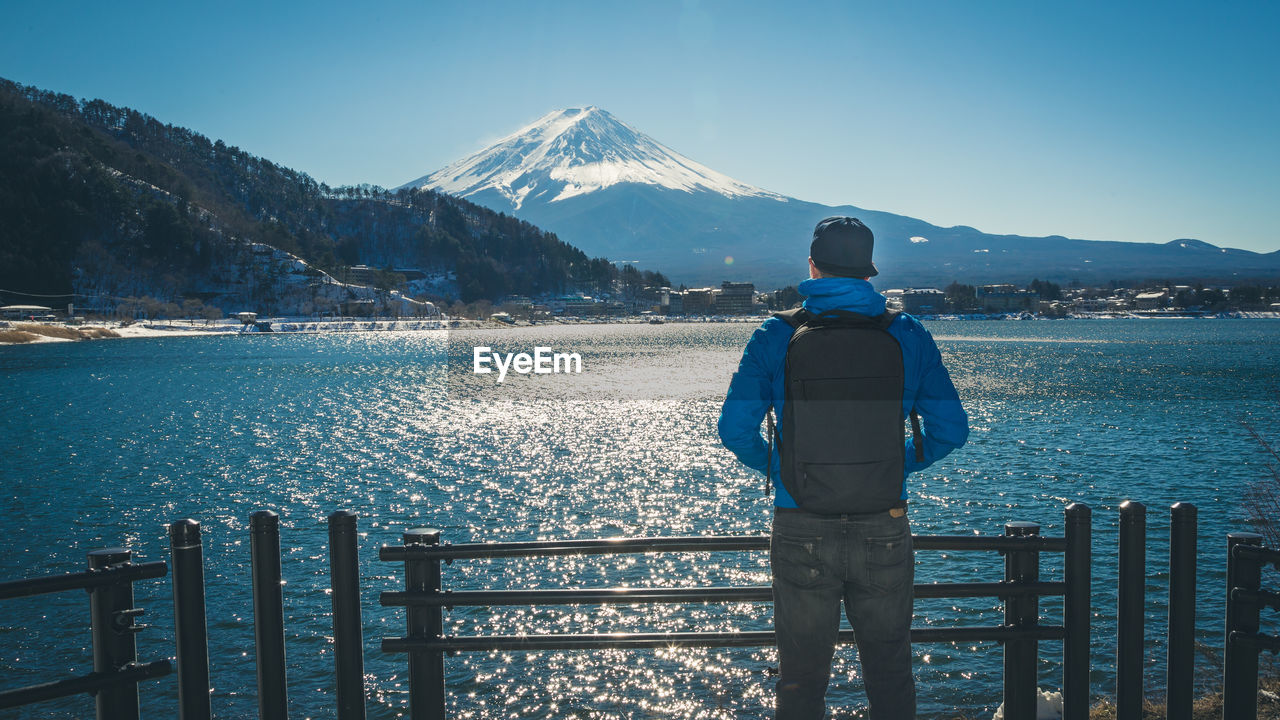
(348, 643)
(426, 668)
(1022, 612)
(1075, 650)
(1182, 610)
(268, 615)
(191, 632)
(111, 617)
(1240, 666)
(1129, 613)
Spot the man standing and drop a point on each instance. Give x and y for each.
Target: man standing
(843, 395)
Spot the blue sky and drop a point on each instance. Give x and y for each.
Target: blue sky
(1100, 120)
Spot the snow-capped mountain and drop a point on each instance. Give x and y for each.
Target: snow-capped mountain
(569, 153)
(613, 191)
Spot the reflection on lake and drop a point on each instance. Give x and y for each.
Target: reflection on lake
(108, 441)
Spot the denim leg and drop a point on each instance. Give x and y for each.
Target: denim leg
(878, 602)
(806, 616)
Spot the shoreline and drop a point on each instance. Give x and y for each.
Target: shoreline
(29, 333)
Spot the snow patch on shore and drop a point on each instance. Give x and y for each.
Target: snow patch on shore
(1048, 706)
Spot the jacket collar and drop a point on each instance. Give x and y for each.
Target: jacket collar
(842, 293)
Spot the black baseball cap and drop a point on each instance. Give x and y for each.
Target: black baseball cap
(842, 246)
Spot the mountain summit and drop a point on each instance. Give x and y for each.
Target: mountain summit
(613, 191)
(569, 153)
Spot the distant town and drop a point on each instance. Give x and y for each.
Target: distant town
(369, 294)
(1039, 299)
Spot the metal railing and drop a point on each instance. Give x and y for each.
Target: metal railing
(1131, 604)
(1021, 544)
(116, 670)
(268, 615)
(117, 673)
(1245, 600)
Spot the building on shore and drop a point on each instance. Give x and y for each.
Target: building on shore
(675, 303)
(700, 301)
(1151, 300)
(575, 305)
(361, 275)
(25, 311)
(923, 301)
(1006, 298)
(735, 298)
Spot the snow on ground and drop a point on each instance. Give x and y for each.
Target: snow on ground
(136, 331)
(1048, 706)
(181, 328)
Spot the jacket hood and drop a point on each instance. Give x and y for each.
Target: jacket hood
(842, 293)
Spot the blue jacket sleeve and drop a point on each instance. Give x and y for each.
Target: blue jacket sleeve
(945, 423)
(751, 394)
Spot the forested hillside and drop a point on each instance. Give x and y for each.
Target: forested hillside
(108, 202)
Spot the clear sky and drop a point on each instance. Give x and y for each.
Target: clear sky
(1099, 120)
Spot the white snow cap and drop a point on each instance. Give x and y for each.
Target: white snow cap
(574, 152)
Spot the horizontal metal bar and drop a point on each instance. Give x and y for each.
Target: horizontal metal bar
(1265, 598)
(1027, 543)
(992, 589)
(749, 638)
(1256, 553)
(90, 683)
(702, 543)
(587, 596)
(1257, 641)
(629, 595)
(82, 580)
(605, 546)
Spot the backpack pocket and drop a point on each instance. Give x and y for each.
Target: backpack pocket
(836, 488)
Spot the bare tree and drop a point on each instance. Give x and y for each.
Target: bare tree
(1262, 497)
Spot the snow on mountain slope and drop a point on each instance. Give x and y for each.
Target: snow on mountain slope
(569, 153)
(613, 192)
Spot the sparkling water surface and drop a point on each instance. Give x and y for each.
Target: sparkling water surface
(105, 442)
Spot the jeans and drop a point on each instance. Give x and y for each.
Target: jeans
(866, 560)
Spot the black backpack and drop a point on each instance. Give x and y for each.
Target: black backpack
(842, 440)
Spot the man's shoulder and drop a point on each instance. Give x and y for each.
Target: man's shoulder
(907, 322)
(793, 318)
(778, 322)
(910, 331)
(769, 342)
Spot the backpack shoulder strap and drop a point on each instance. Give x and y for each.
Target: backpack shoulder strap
(795, 317)
(883, 322)
(885, 319)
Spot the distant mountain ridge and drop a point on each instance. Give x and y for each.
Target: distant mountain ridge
(612, 190)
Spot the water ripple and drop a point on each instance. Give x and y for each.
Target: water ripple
(109, 440)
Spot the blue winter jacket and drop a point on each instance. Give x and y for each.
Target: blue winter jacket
(758, 383)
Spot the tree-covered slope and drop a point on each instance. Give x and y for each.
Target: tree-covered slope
(103, 200)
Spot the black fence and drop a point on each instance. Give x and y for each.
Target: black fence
(1021, 544)
(1245, 600)
(116, 670)
(117, 673)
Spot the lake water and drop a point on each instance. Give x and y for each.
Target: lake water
(106, 442)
